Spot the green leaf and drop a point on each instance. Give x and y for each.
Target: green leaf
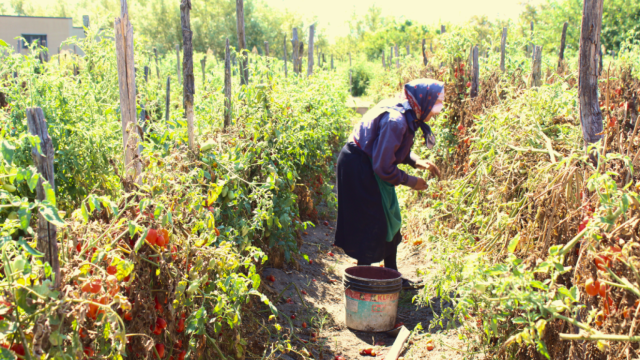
(7, 150)
(21, 301)
(140, 241)
(519, 320)
(49, 194)
(50, 213)
(3, 43)
(564, 291)
(5, 354)
(513, 243)
(29, 249)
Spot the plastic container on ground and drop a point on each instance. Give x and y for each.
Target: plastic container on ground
(371, 298)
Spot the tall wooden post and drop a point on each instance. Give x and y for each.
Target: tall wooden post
(563, 40)
(155, 54)
(431, 46)
(47, 232)
(531, 46)
(295, 43)
(146, 74)
(443, 29)
(503, 44)
(266, 48)
(188, 89)
(242, 45)
(408, 51)
(127, 87)
(469, 71)
(203, 64)
(390, 57)
(424, 52)
(312, 29)
(349, 59)
(475, 75)
(383, 64)
(227, 85)
(536, 69)
(178, 74)
(590, 114)
(397, 58)
(284, 51)
(300, 52)
(167, 99)
(331, 61)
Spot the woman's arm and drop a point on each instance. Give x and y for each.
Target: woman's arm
(415, 162)
(389, 140)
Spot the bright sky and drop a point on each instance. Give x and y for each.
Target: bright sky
(333, 14)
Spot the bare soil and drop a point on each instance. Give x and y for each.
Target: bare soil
(316, 297)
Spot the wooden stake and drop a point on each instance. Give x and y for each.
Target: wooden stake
(284, 49)
(178, 74)
(146, 74)
(383, 64)
(127, 87)
(590, 114)
(242, 45)
(398, 344)
(563, 39)
(349, 59)
(397, 58)
(167, 99)
(332, 61)
(155, 54)
(443, 29)
(266, 48)
(187, 69)
(227, 85)
(47, 232)
(312, 29)
(476, 74)
(424, 52)
(390, 58)
(503, 45)
(536, 70)
(295, 43)
(203, 64)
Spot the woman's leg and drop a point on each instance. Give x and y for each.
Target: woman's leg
(390, 262)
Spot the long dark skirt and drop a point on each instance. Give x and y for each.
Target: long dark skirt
(362, 226)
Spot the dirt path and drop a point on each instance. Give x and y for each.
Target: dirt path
(319, 285)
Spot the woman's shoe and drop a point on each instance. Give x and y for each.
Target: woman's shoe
(411, 285)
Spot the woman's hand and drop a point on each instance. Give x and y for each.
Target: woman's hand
(428, 165)
(420, 185)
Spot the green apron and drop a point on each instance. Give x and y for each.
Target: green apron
(391, 207)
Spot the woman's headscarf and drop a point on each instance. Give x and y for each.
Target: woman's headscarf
(422, 95)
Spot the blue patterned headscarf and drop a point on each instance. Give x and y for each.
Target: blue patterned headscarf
(422, 95)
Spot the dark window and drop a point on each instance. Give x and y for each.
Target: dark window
(30, 38)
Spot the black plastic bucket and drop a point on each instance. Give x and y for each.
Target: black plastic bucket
(371, 297)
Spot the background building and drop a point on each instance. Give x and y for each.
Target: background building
(47, 31)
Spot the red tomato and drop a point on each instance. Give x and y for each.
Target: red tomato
(180, 326)
(160, 350)
(152, 235)
(304, 325)
(160, 241)
(18, 349)
(592, 287)
(602, 290)
(161, 323)
(468, 84)
(112, 270)
(89, 351)
(128, 316)
(182, 355)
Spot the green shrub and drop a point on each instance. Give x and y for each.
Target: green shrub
(362, 75)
